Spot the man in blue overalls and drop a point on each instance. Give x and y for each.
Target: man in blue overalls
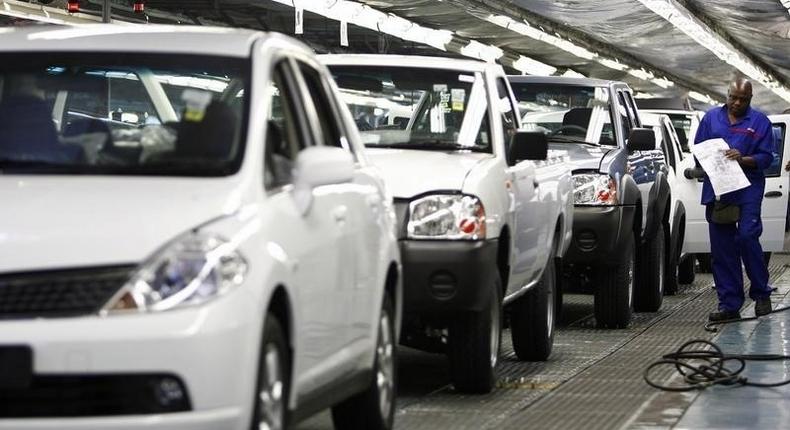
(749, 135)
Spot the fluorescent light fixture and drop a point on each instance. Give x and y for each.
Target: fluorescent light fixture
(573, 74)
(702, 98)
(528, 66)
(612, 64)
(525, 29)
(685, 22)
(482, 51)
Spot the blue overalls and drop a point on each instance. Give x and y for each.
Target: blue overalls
(730, 244)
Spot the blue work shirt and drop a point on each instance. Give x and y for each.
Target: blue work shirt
(752, 135)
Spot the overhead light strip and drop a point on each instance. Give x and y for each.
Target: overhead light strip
(365, 16)
(685, 22)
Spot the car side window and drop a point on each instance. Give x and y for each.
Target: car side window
(775, 169)
(668, 146)
(327, 115)
(284, 136)
(629, 99)
(506, 110)
(622, 113)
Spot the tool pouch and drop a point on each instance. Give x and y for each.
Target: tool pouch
(725, 213)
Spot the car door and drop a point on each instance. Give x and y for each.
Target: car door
(529, 218)
(361, 238)
(774, 208)
(310, 239)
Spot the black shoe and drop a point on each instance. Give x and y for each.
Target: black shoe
(723, 316)
(762, 307)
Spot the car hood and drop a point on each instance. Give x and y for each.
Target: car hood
(583, 157)
(53, 222)
(410, 172)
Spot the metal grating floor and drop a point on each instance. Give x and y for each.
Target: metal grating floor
(593, 379)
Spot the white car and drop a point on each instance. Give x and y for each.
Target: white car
(181, 245)
(774, 207)
(484, 211)
(680, 265)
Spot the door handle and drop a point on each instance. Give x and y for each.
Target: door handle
(339, 214)
(773, 194)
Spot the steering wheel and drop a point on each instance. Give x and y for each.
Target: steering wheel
(571, 129)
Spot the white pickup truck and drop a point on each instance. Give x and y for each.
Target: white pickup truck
(484, 209)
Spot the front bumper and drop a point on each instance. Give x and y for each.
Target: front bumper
(443, 277)
(212, 349)
(600, 233)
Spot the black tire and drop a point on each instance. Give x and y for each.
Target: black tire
(686, 270)
(613, 302)
(474, 341)
(651, 273)
(671, 272)
(374, 408)
(532, 318)
(274, 343)
(704, 261)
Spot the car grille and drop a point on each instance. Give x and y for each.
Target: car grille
(95, 395)
(59, 293)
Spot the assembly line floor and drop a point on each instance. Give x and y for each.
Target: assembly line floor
(593, 379)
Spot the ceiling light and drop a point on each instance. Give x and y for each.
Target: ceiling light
(482, 51)
(573, 74)
(528, 66)
(685, 22)
(702, 98)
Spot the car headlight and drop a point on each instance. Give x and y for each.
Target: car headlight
(446, 216)
(594, 189)
(192, 269)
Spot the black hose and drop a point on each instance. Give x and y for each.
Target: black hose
(702, 364)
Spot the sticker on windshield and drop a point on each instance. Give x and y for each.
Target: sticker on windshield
(439, 88)
(466, 78)
(196, 103)
(457, 97)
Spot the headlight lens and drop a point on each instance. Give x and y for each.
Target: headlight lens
(594, 189)
(191, 270)
(447, 217)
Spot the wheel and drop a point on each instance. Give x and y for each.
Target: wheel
(473, 346)
(651, 271)
(671, 270)
(269, 411)
(614, 294)
(704, 263)
(686, 270)
(532, 318)
(374, 408)
(767, 258)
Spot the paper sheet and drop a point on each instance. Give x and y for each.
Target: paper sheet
(725, 175)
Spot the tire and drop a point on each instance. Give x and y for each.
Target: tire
(686, 270)
(473, 347)
(613, 302)
(271, 391)
(704, 263)
(532, 318)
(374, 408)
(651, 273)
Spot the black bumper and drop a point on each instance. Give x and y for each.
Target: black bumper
(600, 234)
(443, 277)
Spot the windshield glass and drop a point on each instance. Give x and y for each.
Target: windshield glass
(125, 114)
(566, 113)
(419, 108)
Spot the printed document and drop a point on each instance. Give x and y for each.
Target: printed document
(725, 175)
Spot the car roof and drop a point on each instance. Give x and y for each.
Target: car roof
(406, 61)
(564, 80)
(204, 40)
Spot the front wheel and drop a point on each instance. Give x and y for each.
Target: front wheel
(532, 318)
(271, 395)
(651, 274)
(686, 273)
(614, 294)
(374, 408)
(474, 339)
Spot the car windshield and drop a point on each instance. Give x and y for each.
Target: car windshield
(416, 108)
(566, 113)
(121, 114)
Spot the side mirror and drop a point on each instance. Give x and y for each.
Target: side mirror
(641, 139)
(528, 145)
(320, 165)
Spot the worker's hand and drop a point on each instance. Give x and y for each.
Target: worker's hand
(733, 154)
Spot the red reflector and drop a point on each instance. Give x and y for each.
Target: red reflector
(139, 6)
(467, 225)
(73, 6)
